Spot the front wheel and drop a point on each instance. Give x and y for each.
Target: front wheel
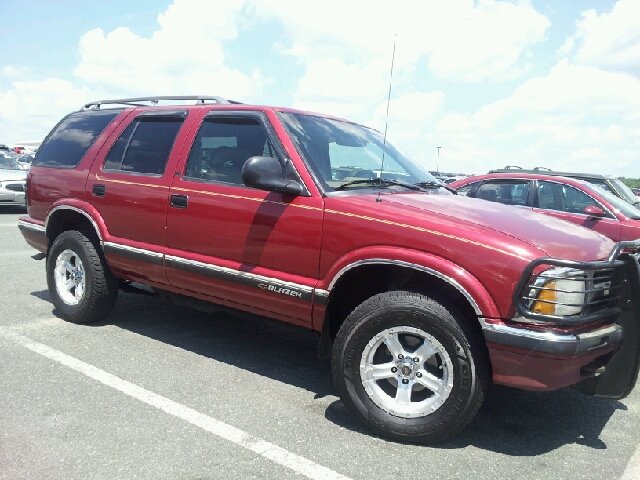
(81, 285)
(408, 368)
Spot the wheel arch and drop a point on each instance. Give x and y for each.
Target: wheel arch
(74, 215)
(354, 281)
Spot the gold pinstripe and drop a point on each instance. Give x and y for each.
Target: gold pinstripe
(335, 212)
(124, 182)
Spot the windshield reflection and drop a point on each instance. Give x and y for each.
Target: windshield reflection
(343, 154)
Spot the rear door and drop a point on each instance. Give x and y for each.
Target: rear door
(238, 244)
(568, 203)
(129, 186)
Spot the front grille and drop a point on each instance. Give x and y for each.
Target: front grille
(15, 187)
(602, 280)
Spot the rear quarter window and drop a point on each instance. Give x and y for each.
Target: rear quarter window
(69, 141)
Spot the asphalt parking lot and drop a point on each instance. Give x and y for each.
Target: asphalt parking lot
(157, 391)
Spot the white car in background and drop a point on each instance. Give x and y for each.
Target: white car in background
(12, 182)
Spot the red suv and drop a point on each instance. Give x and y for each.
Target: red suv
(421, 298)
(575, 201)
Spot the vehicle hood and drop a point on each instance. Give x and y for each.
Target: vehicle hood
(553, 237)
(6, 175)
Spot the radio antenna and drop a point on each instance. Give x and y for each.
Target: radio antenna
(386, 120)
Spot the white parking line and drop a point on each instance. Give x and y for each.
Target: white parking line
(632, 472)
(266, 449)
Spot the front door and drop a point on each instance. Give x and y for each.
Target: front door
(568, 203)
(244, 246)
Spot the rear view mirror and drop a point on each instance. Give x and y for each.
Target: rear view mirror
(594, 211)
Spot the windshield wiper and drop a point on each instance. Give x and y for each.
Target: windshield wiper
(379, 181)
(436, 185)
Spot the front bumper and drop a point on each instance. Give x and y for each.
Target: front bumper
(539, 360)
(598, 350)
(551, 343)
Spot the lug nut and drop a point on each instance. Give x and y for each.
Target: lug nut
(405, 381)
(401, 356)
(418, 374)
(394, 369)
(416, 359)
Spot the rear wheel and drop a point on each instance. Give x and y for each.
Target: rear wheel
(408, 368)
(81, 286)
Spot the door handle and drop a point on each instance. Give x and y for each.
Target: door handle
(98, 190)
(179, 201)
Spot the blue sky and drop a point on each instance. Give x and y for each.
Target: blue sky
(529, 83)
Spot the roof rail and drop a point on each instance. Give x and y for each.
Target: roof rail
(539, 169)
(510, 167)
(154, 101)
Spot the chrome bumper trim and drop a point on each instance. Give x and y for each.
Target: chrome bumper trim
(549, 342)
(32, 227)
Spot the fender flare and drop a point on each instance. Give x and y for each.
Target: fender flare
(83, 208)
(458, 277)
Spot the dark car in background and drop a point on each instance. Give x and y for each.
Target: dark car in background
(611, 184)
(575, 201)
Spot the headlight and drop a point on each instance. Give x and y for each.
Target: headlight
(559, 291)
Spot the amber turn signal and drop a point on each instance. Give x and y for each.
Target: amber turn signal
(541, 305)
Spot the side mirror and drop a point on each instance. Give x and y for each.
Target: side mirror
(265, 173)
(594, 211)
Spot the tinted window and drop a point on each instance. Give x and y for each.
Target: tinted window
(465, 189)
(223, 145)
(510, 193)
(563, 198)
(144, 146)
(70, 140)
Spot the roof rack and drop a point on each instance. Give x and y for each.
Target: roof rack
(135, 102)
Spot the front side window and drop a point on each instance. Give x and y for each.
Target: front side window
(144, 146)
(343, 154)
(222, 147)
(514, 192)
(563, 198)
(68, 143)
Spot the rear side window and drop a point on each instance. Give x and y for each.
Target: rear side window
(144, 146)
(508, 192)
(466, 189)
(67, 144)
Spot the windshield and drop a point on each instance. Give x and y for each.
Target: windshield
(625, 192)
(341, 153)
(624, 208)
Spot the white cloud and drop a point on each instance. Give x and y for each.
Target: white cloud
(28, 110)
(333, 78)
(610, 40)
(464, 40)
(416, 106)
(186, 54)
(574, 118)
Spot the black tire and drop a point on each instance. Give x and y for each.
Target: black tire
(100, 286)
(459, 351)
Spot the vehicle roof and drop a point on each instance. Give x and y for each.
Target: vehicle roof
(516, 174)
(542, 170)
(221, 104)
